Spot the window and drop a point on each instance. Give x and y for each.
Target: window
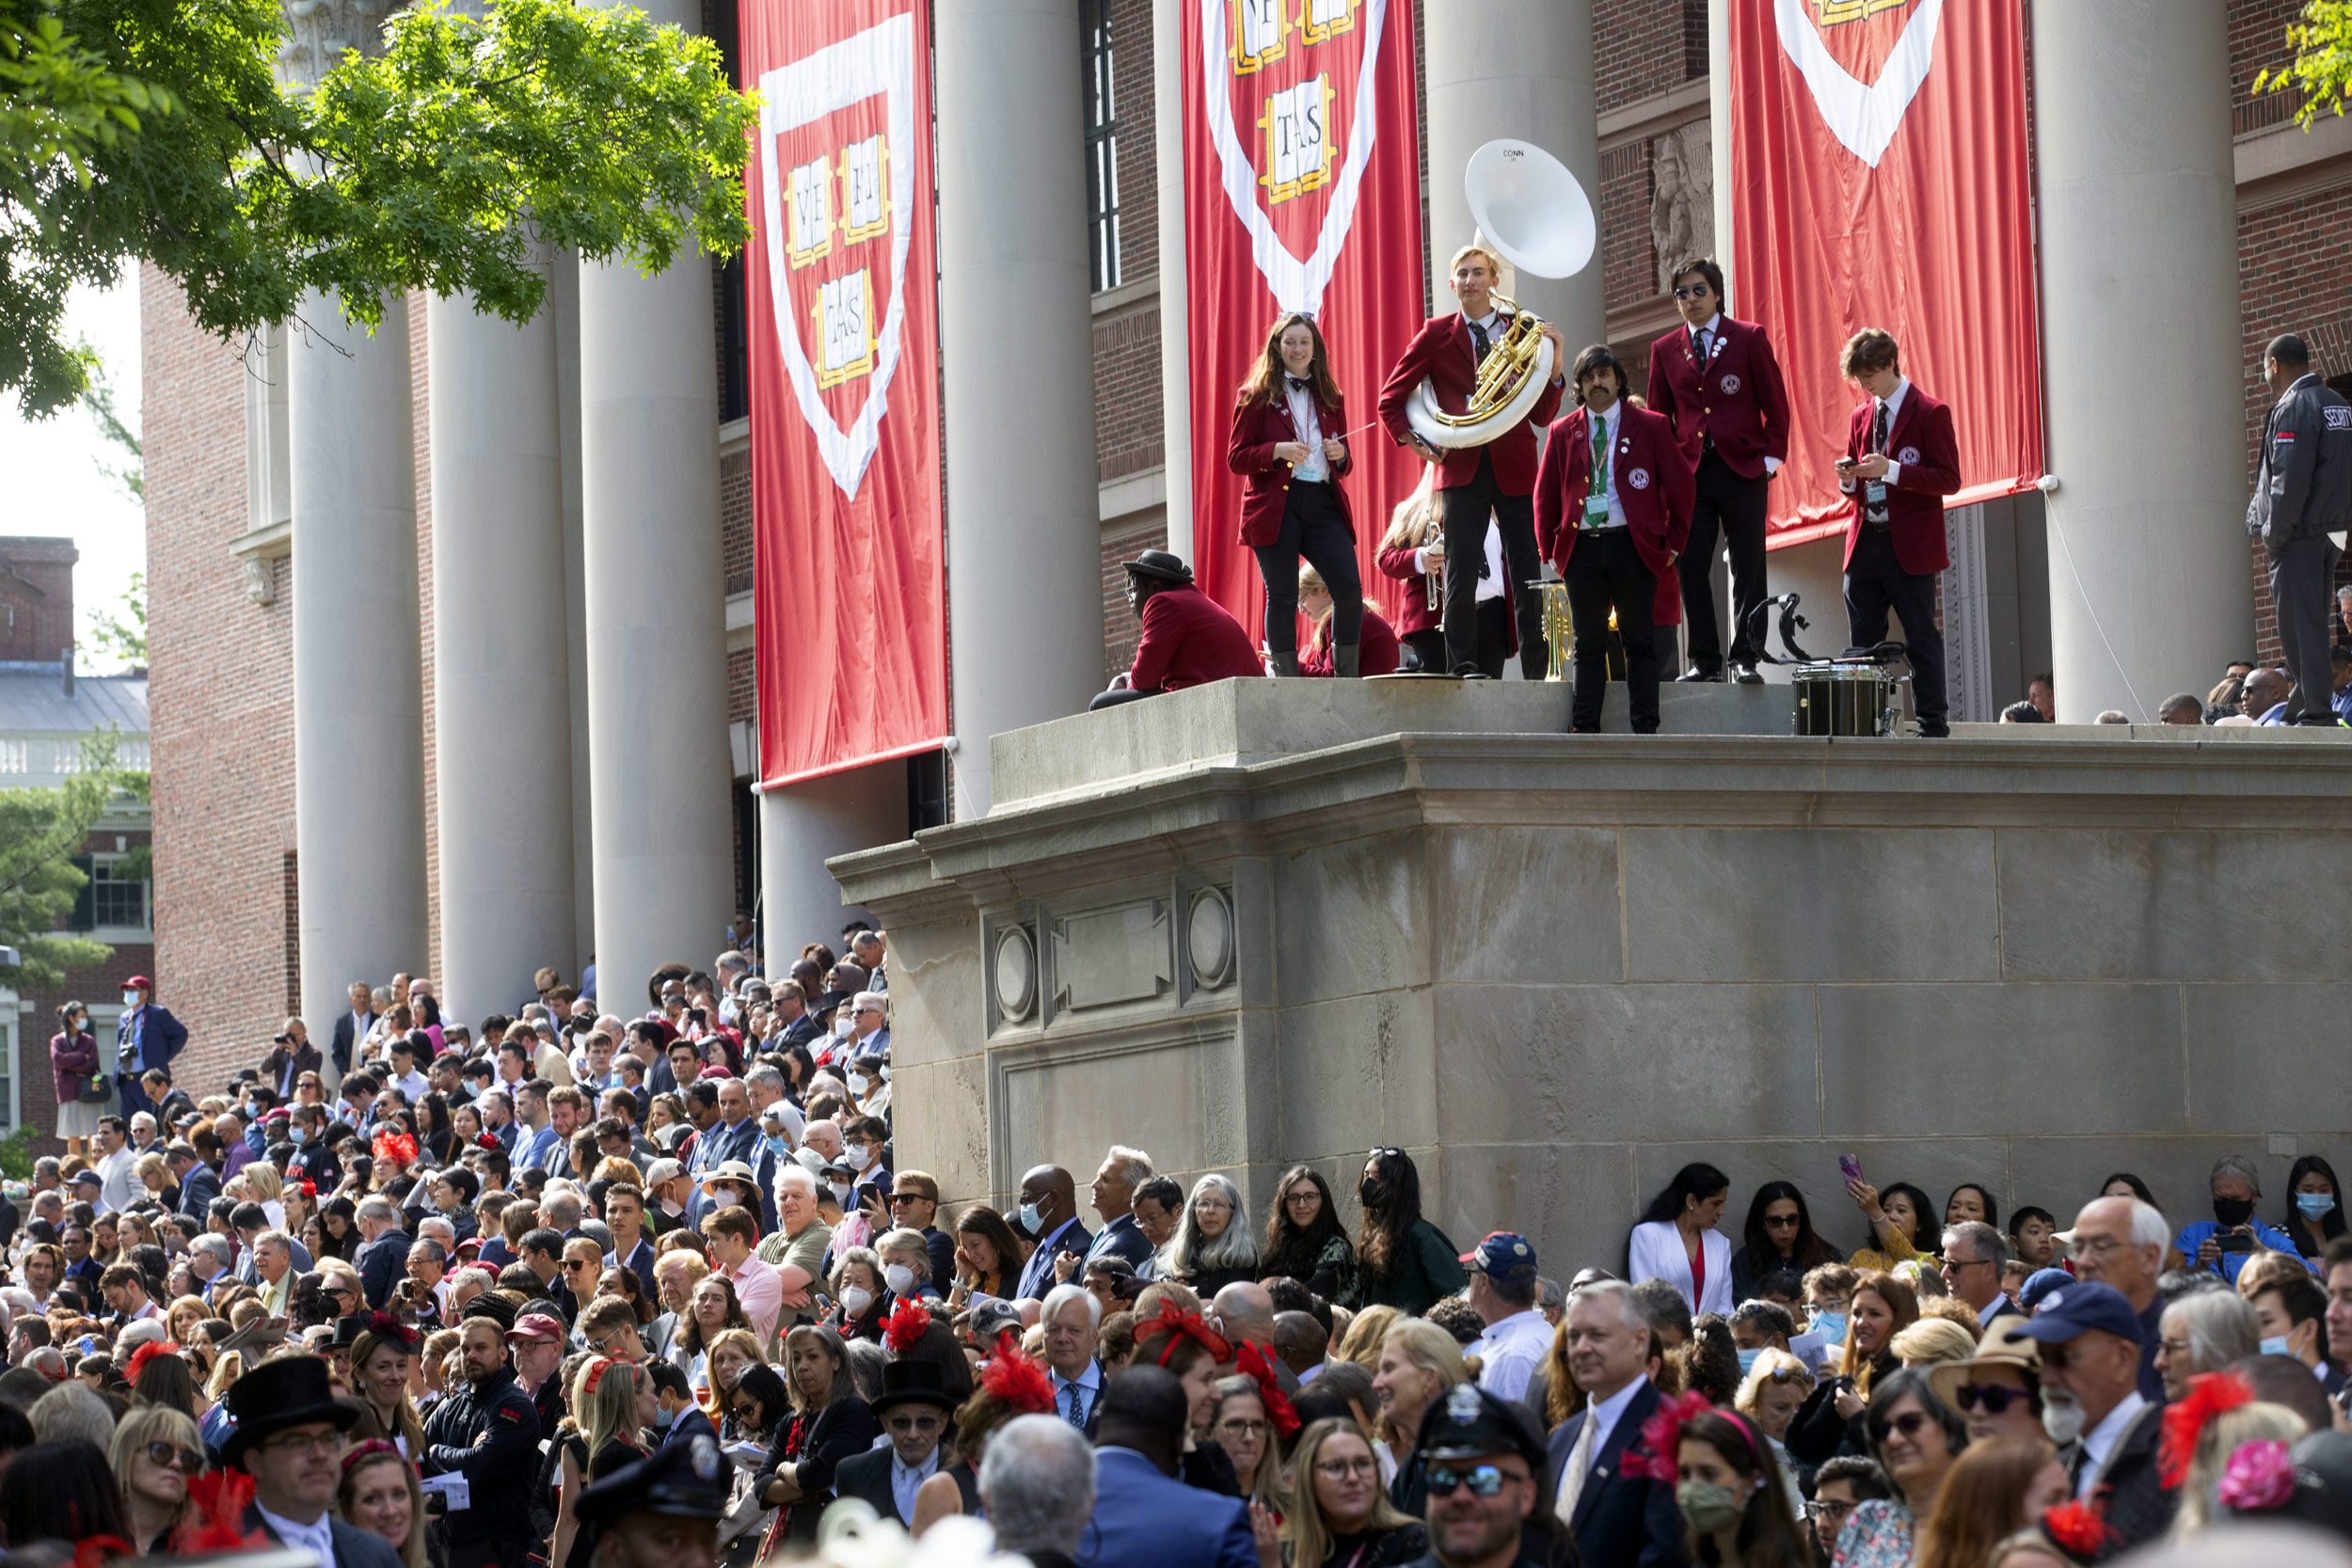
(1102, 147)
(109, 902)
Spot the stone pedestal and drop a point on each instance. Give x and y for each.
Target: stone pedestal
(1557, 968)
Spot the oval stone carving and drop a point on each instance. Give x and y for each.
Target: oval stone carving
(1209, 937)
(1016, 975)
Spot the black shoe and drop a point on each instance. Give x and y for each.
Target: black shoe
(1695, 673)
(1746, 675)
(1935, 732)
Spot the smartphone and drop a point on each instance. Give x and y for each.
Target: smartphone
(1849, 1168)
(2235, 1241)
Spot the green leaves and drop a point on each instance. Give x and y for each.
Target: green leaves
(2322, 41)
(156, 128)
(41, 831)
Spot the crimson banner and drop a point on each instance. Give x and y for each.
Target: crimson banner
(847, 590)
(1302, 192)
(1878, 178)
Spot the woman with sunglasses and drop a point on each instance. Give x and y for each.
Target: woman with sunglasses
(1915, 1437)
(1288, 418)
(155, 1453)
(1998, 1390)
(1779, 1235)
(1339, 1516)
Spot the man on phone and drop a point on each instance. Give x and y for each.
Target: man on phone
(2224, 1243)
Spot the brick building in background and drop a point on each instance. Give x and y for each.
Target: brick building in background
(46, 711)
(217, 511)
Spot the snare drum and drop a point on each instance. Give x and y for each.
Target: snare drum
(1842, 699)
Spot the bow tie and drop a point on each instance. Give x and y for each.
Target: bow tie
(1299, 382)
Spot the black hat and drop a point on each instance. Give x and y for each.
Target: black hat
(1160, 564)
(493, 1306)
(2323, 1482)
(913, 1382)
(290, 1391)
(684, 1480)
(1470, 1423)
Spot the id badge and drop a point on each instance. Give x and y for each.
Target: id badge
(1875, 492)
(1596, 511)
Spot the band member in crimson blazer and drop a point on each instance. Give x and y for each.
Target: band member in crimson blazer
(1188, 639)
(1612, 510)
(1381, 652)
(1412, 552)
(1716, 379)
(1902, 460)
(1474, 482)
(1287, 420)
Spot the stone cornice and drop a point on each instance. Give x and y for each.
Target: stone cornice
(320, 32)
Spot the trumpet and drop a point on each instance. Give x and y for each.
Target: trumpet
(1433, 532)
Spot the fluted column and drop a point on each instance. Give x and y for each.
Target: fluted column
(357, 662)
(1017, 357)
(656, 601)
(2149, 591)
(501, 678)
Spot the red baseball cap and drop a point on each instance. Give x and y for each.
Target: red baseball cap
(138, 982)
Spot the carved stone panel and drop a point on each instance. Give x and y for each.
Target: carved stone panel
(1121, 954)
(1682, 197)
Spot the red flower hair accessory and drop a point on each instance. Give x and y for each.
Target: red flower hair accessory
(146, 1352)
(2259, 1477)
(1174, 1322)
(2209, 1394)
(214, 1520)
(1659, 1455)
(309, 1188)
(1279, 1413)
(905, 1326)
(1015, 1379)
(2077, 1529)
(396, 1146)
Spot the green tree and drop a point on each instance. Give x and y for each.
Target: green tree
(120, 635)
(40, 832)
(2322, 41)
(98, 398)
(155, 130)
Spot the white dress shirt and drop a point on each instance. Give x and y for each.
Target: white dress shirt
(904, 1481)
(1306, 422)
(1893, 406)
(317, 1536)
(2100, 1440)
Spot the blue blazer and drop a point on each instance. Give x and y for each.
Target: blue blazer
(1143, 1519)
(1621, 1521)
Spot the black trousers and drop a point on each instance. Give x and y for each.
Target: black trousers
(1876, 584)
(1466, 510)
(1493, 645)
(1314, 527)
(1428, 647)
(1117, 695)
(2301, 574)
(1608, 572)
(1734, 507)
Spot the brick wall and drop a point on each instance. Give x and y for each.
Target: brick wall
(1128, 437)
(1132, 100)
(734, 519)
(2257, 41)
(743, 690)
(1127, 428)
(36, 597)
(1642, 47)
(1628, 260)
(221, 705)
(1121, 631)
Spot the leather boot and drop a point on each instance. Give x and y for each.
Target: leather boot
(1285, 660)
(1345, 658)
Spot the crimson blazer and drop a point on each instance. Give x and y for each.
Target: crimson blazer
(1739, 400)
(1378, 651)
(1656, 485)
(1413, 613)
(1257, 426)
(1921, 440)
(1189, 640)
(1440, 352)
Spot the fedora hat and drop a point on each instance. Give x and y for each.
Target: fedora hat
(2002, 1346)
(735, 1171)
(290, 1391)
(913, 1382)
(1162, 566)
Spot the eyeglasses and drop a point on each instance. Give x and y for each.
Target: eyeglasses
(1339, 1470)
(1996, 1400)
(1954, 1265)
(896, 1198)
(1828, 1511)
(329, 1441)
(915, 1423)
(1484, 1481)
(1255, 1429)
(1304, 1195)
(1692, 291)
(168, 1454)
(1780, 1222)
(1908, 1424)
(574, 1265)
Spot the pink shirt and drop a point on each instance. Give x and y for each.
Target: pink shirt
(760, 1288)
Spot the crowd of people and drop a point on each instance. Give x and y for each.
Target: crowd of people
(654, 1290)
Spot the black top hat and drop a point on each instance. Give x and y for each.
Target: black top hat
(911, 1382)
(290, 1391)
(1161, 565)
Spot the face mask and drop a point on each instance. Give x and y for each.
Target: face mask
(2276, 1345)
(841, 1028)
(856, 1298)
(2061, 1416)
(130, 999)
(1373, 1193)
(2233, 1211)
(1707, 1507)
(661, 1420)
(2314, 1205)
(779, 1146)
(299, 1136)
(857, 1156)
(899, 1278)
(1747, 1360)
(724, 1198)
(1831, 1326)
(857, 1084)
(841, 1191)
(1032, 1220)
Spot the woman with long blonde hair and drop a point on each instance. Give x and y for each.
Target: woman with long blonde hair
(612, 1401)
(1413, 552)
(1339, 1517)
(1419, 1362)
(1288, 421)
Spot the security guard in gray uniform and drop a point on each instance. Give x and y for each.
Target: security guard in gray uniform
(2302, 493)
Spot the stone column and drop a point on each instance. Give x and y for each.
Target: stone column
(1167, 142)
(1523, 69)
(801, 826)
(501, 678)
(655, 589)
(2149, 587)
(357, 661)
(563, 304)
(1024, 532)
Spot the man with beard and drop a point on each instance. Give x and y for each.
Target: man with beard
(2090, 1341)
(1488, 1507)
(488, 1432)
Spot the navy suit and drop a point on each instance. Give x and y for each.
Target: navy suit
(196, 1191)
(1037, 1275)
(383, 1264)
(159, 1038)
(1621, 1521)
(1144, 1519)
(1122, 1238)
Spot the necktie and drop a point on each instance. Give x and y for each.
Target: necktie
(1875, 512)
(1074, 1408)
(1701, 341)
(1878, 428)
(1580, 1465)
(1479, 344)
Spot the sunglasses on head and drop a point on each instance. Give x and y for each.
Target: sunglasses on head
(1968, 1396)
(1908, 1423)
(1484, 1481)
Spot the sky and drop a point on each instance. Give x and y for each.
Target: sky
(55, 486)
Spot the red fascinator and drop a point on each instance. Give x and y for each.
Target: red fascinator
(905, 1326)
(148, 1352)
(1172, 1323)
(1279, 1411)
(385, 1325)
(2077, 1529)
(391, 1144)
(1659, 1455)
(1015, 1379)
(2209, 1394)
